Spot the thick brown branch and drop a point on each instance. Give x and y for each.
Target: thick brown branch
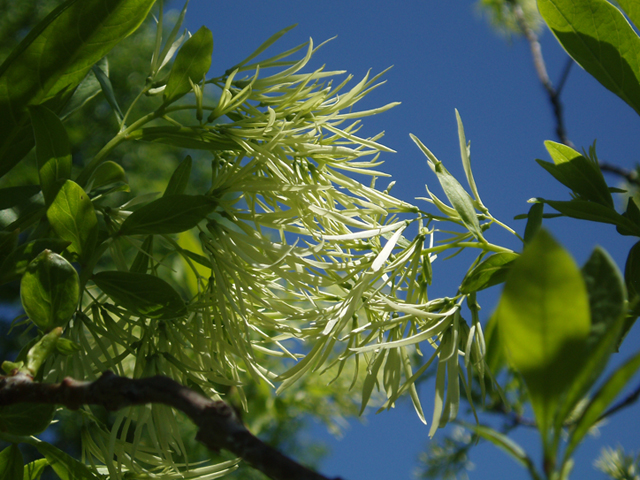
(218, 425)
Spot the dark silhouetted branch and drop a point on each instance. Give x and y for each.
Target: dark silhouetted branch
(543, 76)
(218, 425)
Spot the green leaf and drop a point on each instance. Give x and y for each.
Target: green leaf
(145, 295)
(53, 152)
(33, 470)
(595, 212)
(543, 317)
(66, 467)
(465, 153)
(171, 214)
(180, 178)
(107, 89)
(53, 59)
(107, 173)
(606, 290)
(632, 213)
(459, 198)
(73, 218)
(141, 262)
(192, 62)
(12, 196)
(87, 89)
(599, 38)
(16, 262)
(491, 271)
(534, 221)
(11, 463)
(26, 418)
(602, 399)
(607, 305)
(582, 175)
(49, 291)
(183, 137)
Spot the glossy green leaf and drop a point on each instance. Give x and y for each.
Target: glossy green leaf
(141, 262)
(534, 221)
(11, 463)
(183, 137)
(33, 470)
(543, 317)
(12, 196)
(602, 399)
(465, 153)
(16, 262)
(606, 290)
(595, 212)
(172, 214)
(107, 173)
(180, 178)
(73, 218)
(49, 290)
(65, 466)
(491, 271)
(54, 58)
(42, 350)
(599, 38)
(53, 151)
(632, 282)
(192, 63)
(582, 175)
(632, 213)
(459, 198)
(607, 305)
(107, 90)
(145, 295)
(26, 418)
(87, 89)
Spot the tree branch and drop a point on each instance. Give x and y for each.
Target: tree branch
(541, 71)
(218, 425)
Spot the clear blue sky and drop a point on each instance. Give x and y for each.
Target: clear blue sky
(445, 56)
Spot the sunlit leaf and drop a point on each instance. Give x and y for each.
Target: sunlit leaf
(192, 63)
(582, 175)
(107, 173)
(73, 218)
(49, 290)
(491, 271)
(599, 38)
(33, 470)
(543, 317)
(66, 467)
(145, 295)
(459, 198)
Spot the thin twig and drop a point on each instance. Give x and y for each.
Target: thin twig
(541, 71)
(624, 403)
(218, 425)
(630, 176)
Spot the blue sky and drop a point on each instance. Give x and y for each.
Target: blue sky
(445, 56)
